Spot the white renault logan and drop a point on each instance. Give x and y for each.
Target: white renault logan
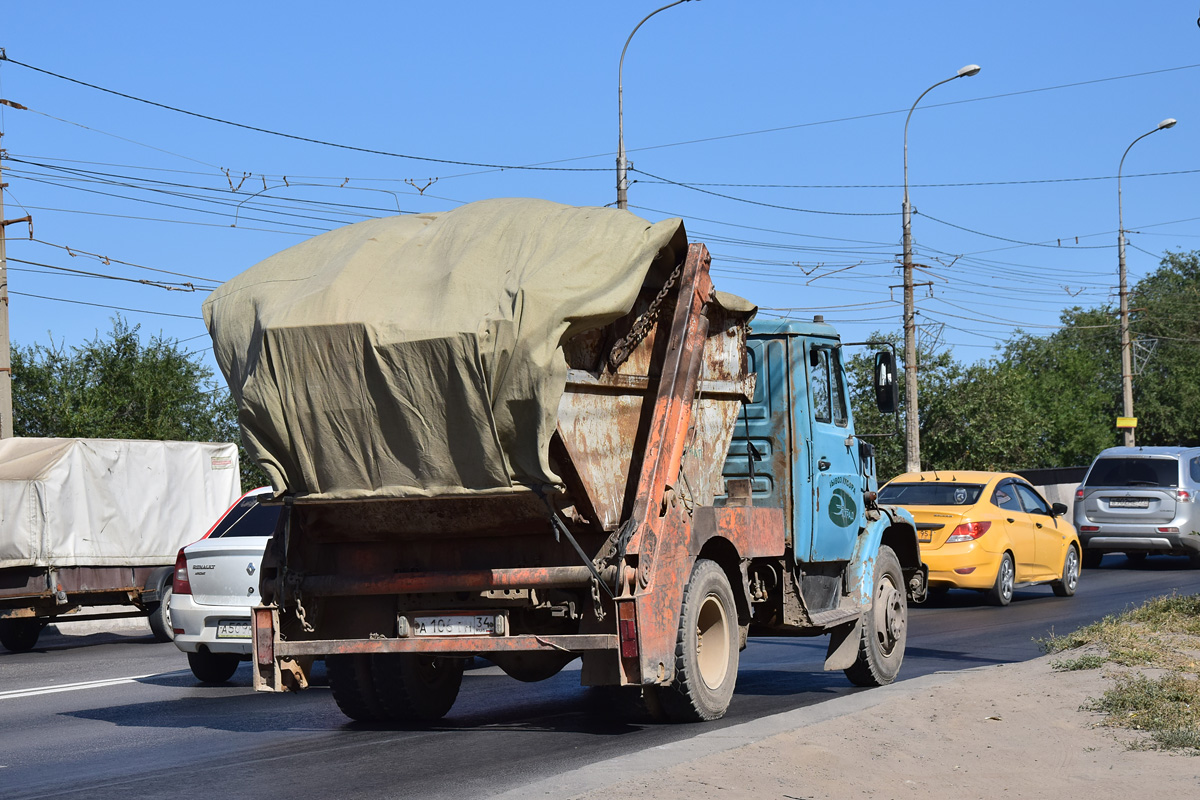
(216, 586)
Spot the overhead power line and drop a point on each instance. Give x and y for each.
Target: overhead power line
(171, 287)
(104, 305)
(959, 185)
(292, 136)
(767, 205)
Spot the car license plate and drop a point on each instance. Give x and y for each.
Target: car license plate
(1128, 502)
(924, 536)
(455, 625)
(233, 629)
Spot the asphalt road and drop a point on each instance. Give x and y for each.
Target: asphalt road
(110, 715)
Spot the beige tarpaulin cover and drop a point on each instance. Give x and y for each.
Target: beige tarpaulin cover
(109, 502)
(421, 355)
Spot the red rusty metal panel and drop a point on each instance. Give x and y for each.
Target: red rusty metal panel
(604, 418)
(663, 572)
(447, 645)
(667, 433)
(264, 635)
(755, 532)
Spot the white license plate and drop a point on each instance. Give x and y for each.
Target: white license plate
(1122, 502)
(233, 629)
(455, 625)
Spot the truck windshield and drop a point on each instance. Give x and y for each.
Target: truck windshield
(1123, 471)
(930, 494)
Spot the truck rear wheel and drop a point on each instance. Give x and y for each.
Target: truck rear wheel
(160, 617)
(884, 627)
(20, 635)
(706, 649)
(414, 687)
(213, 667)
(350, 680)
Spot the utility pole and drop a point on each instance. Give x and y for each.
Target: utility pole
(912, 429)
(622, 163)
(1128, 422)
(6, 421)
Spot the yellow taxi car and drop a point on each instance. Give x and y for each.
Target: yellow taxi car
(989, 531)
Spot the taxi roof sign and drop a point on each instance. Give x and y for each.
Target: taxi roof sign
(1126, 422)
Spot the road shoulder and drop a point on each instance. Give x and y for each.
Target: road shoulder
(1009, 730)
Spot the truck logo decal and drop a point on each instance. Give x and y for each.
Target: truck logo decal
(842, 510)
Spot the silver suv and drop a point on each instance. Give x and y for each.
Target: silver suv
(1138, 501)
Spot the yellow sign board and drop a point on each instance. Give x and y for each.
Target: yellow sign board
(1126, 422)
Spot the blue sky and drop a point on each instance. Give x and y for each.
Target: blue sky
(773, 128)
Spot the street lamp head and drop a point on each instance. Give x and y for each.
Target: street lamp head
(968, 71)
(1169, 122)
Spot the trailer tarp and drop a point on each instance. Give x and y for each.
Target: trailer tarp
(109, 502)
(422, 354)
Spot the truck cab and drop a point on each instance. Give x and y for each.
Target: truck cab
(795, 447)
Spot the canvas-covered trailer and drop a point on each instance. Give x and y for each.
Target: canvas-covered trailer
(88, 523)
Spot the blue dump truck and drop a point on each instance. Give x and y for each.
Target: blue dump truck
(533, 434)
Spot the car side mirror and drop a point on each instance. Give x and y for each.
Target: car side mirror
(887, 391)
(1059, 509)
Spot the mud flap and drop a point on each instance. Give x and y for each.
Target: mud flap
(843, 645)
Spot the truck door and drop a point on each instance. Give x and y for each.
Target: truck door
(837, 486)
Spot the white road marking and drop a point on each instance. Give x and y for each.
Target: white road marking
(74, 687)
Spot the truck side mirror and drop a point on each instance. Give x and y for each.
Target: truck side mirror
(887, 391)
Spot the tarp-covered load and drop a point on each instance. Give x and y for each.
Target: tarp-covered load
(109, 502)
(422, 355)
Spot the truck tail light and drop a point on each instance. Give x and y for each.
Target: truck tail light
(627, 628)
(969, 531)
(181, 584)
(1183, 496)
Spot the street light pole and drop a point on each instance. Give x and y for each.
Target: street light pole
(912, 430)
(1126, 347)
(622, 182)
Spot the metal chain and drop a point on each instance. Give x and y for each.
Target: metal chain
(642, 326)
(292, 593)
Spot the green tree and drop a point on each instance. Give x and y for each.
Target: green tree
(1166, 307)
(116, 387)
(886, 431)
(1052, 401)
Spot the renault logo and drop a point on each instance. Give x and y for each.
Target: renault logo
(250, 568)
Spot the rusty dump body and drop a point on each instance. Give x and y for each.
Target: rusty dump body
(395, 592)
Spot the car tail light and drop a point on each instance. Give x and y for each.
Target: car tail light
(1089, 528)
(969, 531)
(1168, 530)
(1079, 493)
(181, 584)
(1183, 496)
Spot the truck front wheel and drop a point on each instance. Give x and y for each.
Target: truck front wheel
(884, 626)
(706, 649)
